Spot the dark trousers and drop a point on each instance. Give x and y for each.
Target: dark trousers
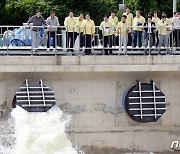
(171, 38)
(70, 39)
(156, 39)
(149, 39)
(88, 43)
(81, 39)
(129, 39)
(107, 41)
(137, 35)
(115, 40)
(177, 37)
(51, 35)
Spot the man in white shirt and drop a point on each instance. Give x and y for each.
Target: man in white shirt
(149, 31)
(52, 21)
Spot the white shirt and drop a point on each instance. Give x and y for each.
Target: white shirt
(176, 22)
(149, 27)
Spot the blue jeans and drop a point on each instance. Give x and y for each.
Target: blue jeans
(137, 35)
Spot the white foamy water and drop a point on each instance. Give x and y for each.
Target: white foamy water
(35, 133)
(41, 133)
(7, 137)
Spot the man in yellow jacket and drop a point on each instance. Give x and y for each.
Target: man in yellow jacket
(71, 34)
(88, 31)
(138, 22)
(155, 19)
(163, 32)
(114, 19)
(129, 21)
(107, 31)
(122, 32)
(79, 29)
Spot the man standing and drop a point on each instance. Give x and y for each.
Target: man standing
(176, 23)
(107, 30)
(88, 31)
(36, 20)
(52, 21)
(129, 21)
(163, 32)
(79, 30)
(114, 20)
(155, 19)
(122, 31)
(149, 28)
(71, 34)
(138, 22)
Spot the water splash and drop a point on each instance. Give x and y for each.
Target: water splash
(7, 137)
(41, 133)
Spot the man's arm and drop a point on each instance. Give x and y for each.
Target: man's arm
(30, 20)
(43, 21)
(47, 21)
(57, 22)
(153, 26)
(93, 28)
(101, 25)
(65, 22)
(145, 27)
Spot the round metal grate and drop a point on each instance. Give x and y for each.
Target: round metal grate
(35, 97)
(144, 102)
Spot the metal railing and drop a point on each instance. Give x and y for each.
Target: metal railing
(82, 40)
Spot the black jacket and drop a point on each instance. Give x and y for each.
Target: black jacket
(152, 28)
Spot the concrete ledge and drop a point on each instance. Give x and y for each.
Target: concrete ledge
(89, 63)
(89, 60)
(90, 68)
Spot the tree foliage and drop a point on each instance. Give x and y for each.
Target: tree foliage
(16, 12)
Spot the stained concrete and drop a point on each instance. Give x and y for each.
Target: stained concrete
(93, 98)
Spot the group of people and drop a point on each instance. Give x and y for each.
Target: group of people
(128, 32)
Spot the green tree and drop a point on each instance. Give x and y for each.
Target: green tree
(15, 12)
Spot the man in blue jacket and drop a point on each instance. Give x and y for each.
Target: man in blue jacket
(149, 28)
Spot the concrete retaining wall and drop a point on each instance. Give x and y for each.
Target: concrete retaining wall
(93, 98)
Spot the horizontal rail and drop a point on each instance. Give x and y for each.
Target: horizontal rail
(83, 40)
(147, 97)
(146, 91)
(37, 105)
(36, 100)
(46, 96)
(147, 109)
(35, 92)
(147, 115)
(34, 87)
(146, 103)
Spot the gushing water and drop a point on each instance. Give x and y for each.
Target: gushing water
(7, 137)
(37, 133)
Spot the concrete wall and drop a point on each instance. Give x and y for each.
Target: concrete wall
(93, 98)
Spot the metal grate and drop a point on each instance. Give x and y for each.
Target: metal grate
(35, 97)
(144, 102)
